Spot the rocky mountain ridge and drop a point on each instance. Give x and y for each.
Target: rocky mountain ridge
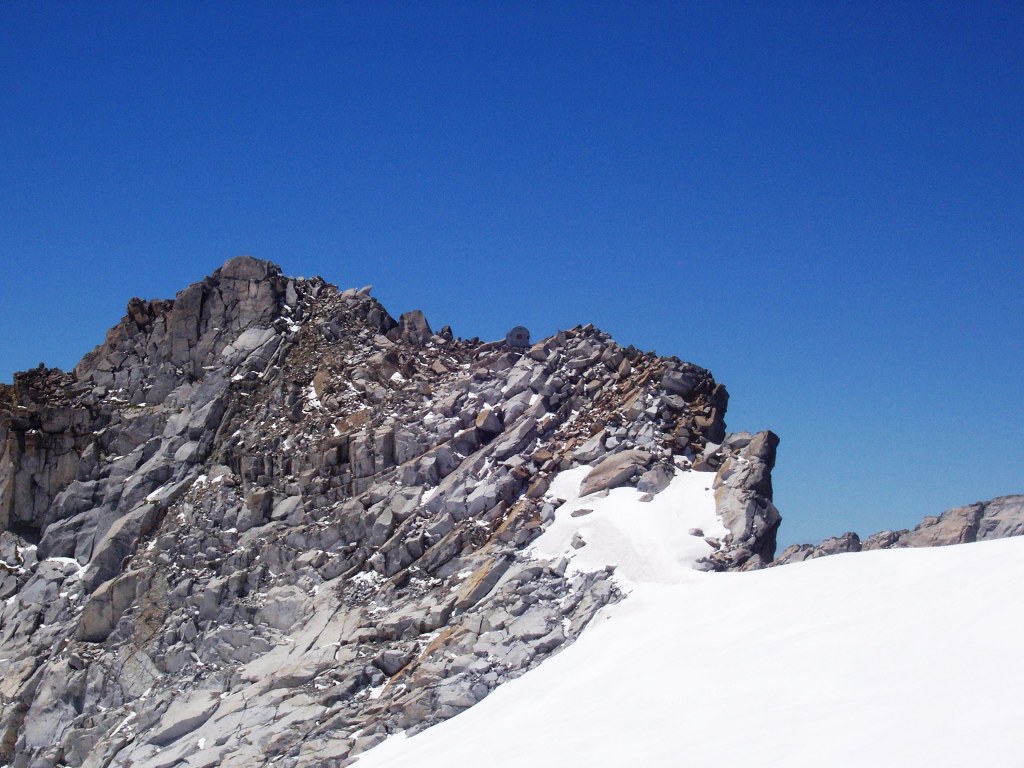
(268, 522)
(997, 518)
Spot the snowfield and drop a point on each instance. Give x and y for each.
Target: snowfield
(645, 541)
(910, 657)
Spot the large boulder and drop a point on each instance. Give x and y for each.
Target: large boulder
(743, 498)
(614, 471)
(414, 328)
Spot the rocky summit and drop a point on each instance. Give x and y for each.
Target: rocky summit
(266, 522)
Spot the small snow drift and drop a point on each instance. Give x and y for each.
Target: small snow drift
(645, 541)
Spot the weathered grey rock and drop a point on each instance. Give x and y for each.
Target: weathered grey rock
(247, 268)
(997, 518)
(106, 605)
(532, 626)
(414, 328)
(286, 508)
(119, 542)
(488, 420)
(300, 519)
(615, 470)
(743, 497)
(655, 480)
(283, 608)
(592, 449)
(681, 382)
(184, 716)
(390, 662)
(515, 439)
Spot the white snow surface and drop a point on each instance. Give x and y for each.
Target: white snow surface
(645, 541)
(907, 657)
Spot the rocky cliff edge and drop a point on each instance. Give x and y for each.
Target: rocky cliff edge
(266, 521)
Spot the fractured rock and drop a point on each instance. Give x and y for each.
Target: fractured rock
(265, 522)
(613, 471)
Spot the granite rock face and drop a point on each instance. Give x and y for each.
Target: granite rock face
(267, 522)
(743, 496)
(998, 518)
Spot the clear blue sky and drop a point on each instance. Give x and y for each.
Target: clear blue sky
(823, 205)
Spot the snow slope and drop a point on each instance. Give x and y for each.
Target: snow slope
(645, 541)
(903, 658)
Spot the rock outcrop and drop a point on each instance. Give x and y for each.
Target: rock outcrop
(267, 522)
(998, 518)
(743, 497)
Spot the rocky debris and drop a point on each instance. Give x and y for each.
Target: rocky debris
(998, 518)
(267, 522)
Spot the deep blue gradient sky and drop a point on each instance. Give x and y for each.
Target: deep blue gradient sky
(823, 205)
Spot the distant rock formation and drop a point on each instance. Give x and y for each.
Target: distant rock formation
(266, 521)
(999, 518)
